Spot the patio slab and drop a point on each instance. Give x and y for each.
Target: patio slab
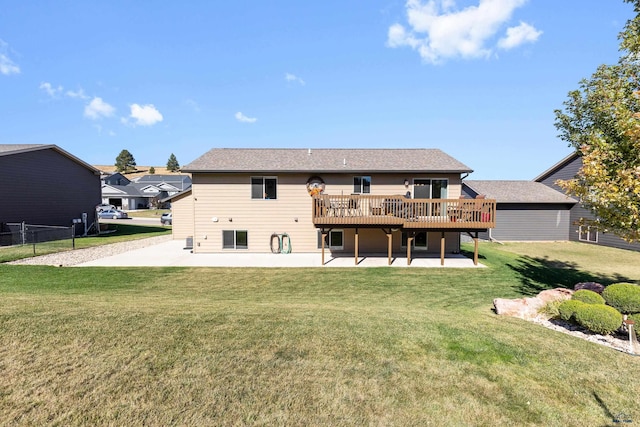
(173, 254)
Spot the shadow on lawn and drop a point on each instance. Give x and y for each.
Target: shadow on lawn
(538, 274)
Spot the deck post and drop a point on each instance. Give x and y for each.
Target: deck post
(356, 244)
(475, 249)
(442, 248)
(324, 236)
(389, 246)
(409, 242)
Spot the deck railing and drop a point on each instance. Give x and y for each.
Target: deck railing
(398, 211)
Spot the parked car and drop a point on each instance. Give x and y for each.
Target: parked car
(105, 207)
(113, 214)
(166, 219)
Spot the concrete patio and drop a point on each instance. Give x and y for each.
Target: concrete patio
(173, 254)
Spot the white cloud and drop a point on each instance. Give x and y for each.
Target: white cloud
(7, 66)
(98, 109)
(523, 33)
(144, 115)
(293, 78)
(438, 31)
(50, 90)
(244, 119)
(79, 94)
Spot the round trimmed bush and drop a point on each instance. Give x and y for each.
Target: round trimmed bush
(599, 318)
(567, 309)
(623, 296)
(636, 327)
(588, 297)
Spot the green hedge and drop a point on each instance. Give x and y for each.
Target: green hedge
(636, 327)
(623, 296)
(598, 318)
(568, 308)
(588, 297)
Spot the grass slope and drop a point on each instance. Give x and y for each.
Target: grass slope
(120, 233)
(386, 346)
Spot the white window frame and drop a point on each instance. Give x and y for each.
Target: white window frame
(235, 240)
(264, 192)
(588, 234)
(327, 243)
(430, 186)
(362, 179)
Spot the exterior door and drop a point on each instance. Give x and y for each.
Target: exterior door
(421, 188)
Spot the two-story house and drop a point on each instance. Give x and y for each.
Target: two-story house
(346, 201)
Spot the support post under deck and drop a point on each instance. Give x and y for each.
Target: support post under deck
(356, 245)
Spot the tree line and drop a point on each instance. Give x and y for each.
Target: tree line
(125, 162)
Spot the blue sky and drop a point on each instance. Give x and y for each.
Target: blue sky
(479, 79)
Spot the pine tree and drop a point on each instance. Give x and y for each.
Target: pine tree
(125, 162)
(172, 163)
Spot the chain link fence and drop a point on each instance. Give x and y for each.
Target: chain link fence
(37, 239)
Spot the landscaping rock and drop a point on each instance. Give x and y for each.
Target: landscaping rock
(523, 308)
(527, 308)
(557, 294)
(591, 286)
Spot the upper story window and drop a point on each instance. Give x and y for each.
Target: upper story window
(361, 184)
(264, 187)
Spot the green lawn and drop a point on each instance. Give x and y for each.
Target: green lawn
(148, 213)
(118, 233)
(317, 346)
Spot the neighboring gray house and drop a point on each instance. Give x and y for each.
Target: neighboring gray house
(143, 192)
(45, 185)
(567, 168)
(525, 210)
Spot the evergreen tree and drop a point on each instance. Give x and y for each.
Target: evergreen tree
(125, 162)
(152, 170)
(172, 163)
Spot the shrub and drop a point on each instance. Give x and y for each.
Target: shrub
(599, 318)
(623, 296)
(588, 297)
(567, 309)
(550, 309)
(636, 327)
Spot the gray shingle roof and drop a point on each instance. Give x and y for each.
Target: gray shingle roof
(19, 148)
(518, 192)
(10, 149)
(325, 160)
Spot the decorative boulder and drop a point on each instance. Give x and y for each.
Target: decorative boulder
(591, 286)
(523, 308)
(527, 308)
(557, 294)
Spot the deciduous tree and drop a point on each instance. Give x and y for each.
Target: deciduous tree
(601, 121)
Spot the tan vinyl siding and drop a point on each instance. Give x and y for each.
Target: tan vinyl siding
(182, 213)
(223, 202)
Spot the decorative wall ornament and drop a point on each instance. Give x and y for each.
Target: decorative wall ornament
(315, 185)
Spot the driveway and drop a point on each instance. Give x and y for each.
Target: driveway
(173, 254)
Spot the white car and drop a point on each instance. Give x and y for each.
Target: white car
(165, 219)
(105, 207)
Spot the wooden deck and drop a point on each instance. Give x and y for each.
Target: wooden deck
(399, 212)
